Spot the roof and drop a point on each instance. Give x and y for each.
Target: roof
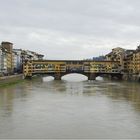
(72, 61)
(109, 54)
(6, 42)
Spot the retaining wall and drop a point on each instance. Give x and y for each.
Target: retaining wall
(11, 79)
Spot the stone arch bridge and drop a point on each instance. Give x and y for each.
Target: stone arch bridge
(59, 68)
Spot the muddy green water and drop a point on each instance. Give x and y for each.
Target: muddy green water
(44, 108)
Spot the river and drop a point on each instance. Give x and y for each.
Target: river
(70, 108)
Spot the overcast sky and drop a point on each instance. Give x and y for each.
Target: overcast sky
(70, 29)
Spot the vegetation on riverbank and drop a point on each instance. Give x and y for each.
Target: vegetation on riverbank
(10, 80)
(10, 83)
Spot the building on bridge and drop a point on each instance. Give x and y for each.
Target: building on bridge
(59, 68)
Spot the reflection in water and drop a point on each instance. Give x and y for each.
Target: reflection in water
(42, 108)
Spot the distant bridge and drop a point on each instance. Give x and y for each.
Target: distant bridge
(59, 68)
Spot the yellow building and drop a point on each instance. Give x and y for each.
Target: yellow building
(104, 66)
(117, 54)
(132, 62)
(128, 64)
(40, 66)
(136, 62)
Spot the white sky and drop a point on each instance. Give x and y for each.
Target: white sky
(70, 29)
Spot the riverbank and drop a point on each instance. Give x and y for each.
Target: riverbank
(7, 80)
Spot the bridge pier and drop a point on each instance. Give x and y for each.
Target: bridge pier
(28, 77)
(115, 76)
(57, 76)
(92, 76)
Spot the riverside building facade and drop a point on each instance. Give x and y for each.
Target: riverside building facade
(11, 60)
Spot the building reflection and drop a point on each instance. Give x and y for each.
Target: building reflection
(6, 101)
(10, 94)
(125, 91)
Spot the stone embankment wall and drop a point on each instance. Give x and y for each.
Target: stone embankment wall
(11, 79)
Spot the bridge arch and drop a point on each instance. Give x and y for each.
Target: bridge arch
(100, 78)
(48, 78)
(74, 77)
